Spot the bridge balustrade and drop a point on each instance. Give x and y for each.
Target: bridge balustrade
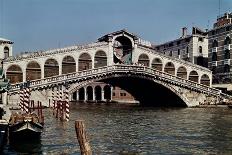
(121, 68)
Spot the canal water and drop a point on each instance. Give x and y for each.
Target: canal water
(136, 130)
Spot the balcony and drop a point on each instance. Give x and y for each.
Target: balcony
(214, 63)
(214, 49)
(228, 47)
(227, 62)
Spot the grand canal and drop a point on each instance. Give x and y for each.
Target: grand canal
(136, 130)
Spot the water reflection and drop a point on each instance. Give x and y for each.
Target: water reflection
(137, 130)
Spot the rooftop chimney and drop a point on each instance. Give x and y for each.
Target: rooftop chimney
(184, 32)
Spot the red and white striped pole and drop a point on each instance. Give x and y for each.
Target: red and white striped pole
(67, 104)
(27, 99)
(57, 101)
(21, 99)
(53, 100)
(61, 103)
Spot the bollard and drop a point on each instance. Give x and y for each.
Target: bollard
(82, 138)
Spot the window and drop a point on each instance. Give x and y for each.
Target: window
(178, 51)
(6, 52)
(214, 57)
(215, 43)
(213, 32)
(200, 49)
(170, 54)
(227, 54)
(201, 39)
(227, 40)
(187, 49)
(228, 28)
(113, 94)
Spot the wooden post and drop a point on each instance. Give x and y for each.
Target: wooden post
(82, 138)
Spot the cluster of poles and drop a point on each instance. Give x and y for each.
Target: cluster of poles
(26, 105)
(60, 103)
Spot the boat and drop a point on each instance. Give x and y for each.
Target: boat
(25, 126)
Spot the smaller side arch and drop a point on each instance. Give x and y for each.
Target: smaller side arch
(84, 62)
(157, 64)
(193, 76)
(169, 68)
(144, 60)
(205, 80)
(182, 72)
(33, 71)
(100, 59)
(68, 65)
(14, 73)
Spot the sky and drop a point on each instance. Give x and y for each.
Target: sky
(46, 24)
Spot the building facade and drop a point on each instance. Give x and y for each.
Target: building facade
(192, 48)
(220, 48)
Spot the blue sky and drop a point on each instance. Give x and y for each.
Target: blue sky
(43, 24)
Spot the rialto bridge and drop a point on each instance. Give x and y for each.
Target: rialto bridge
(118, 59)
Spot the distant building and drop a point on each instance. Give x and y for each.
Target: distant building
(220, 48)
(5, 49)
(192, 48)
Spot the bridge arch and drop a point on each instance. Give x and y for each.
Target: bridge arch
(193, 76)
(89, 93)
(169, 68)
(162, 94)
(68, 64)
(100, 59)
(144, 60)
(14, 73)
(81, 94)
(182, 72)
(205, 80)
(157, 64)
(98, 93)
(84, 62)
(33, 71)
(107, 92)
(51, 67)
(122, 49)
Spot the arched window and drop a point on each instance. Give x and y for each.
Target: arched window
(227, 68)
(100, 59)
(89, 91)
(122, 50)
(215, 43)
(15, 74)
(68, 65)
(214, 57)
(157, 64)
(170, 54)
(200, 49)
(227, 40)
(227, 54)
(144, 59)
(51, 68)
(6, 52)
(193, 76)
(205, 80)
(169, 68)
(33, 71)
(187, 49)
(182, 72)
(84, 62)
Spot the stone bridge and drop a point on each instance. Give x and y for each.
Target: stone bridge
(115, 55)
(190, 92)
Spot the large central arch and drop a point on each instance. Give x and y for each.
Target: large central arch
(157, 94)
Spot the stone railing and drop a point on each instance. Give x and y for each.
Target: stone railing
(173, 59)
(97, 73)
(55, 51)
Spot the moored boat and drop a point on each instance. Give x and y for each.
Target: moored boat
(25, 126)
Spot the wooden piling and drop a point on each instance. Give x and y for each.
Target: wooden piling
(82, 138)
